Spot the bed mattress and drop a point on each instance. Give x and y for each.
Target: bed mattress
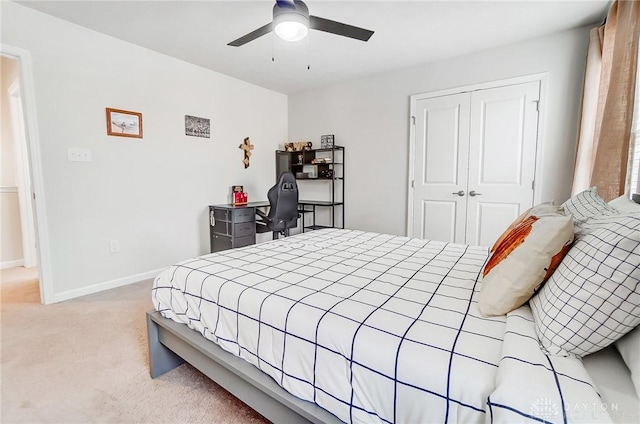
(373, 328)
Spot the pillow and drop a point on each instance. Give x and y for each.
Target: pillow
(543, 208)
(587, 204)
(625, 205)
(593, 297)
(629, 348)
(523, 259)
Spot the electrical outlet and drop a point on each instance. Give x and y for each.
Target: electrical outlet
(75, 154)
(114, 246)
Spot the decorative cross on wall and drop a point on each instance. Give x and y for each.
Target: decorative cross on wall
(247, 147)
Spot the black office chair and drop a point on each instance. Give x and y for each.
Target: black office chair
(283, 210)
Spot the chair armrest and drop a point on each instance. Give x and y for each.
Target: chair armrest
(262, 215)
(262, 227)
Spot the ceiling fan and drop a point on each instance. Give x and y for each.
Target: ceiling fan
(291, 21)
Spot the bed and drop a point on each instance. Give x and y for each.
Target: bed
(349, 326)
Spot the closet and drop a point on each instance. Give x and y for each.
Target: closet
(472, 164)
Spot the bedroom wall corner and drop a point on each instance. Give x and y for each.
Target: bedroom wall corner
(370, 117)
(150, 194)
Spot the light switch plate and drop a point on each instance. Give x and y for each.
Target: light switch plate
(114, 246)
(75, 154)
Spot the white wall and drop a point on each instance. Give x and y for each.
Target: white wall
(370, 117)
(10, 231)
(150, 194)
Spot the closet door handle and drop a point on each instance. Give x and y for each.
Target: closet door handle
(459, 193)
(473, 193)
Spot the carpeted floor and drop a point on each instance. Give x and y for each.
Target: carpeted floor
(85, 361)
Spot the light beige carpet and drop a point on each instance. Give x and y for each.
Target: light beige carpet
(85, 361)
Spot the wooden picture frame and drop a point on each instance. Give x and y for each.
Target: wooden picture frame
(124, 123)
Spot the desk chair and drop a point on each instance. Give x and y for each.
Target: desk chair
(283, 210)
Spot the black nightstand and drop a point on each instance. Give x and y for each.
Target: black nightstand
(233, 226)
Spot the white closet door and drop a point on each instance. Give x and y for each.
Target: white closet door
(440, 168)
(502, 151)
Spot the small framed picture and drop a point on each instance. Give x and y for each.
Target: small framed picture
(124, 123)
(197, 127)
(326, 141)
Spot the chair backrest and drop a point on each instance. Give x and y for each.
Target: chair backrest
(283, 198)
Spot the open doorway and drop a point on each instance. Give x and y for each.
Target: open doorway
(23, 246)
(18, 248)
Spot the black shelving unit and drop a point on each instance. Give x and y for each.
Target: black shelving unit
(326, 166)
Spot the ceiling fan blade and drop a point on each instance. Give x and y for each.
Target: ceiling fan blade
(289, 4)
(339, 28)
(251, 36)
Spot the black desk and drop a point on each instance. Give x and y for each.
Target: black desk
(232, 226)
(309, 206)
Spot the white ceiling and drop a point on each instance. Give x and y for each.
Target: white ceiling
(407, 33)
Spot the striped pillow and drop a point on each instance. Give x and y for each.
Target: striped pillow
(593, 298)
(587, 204)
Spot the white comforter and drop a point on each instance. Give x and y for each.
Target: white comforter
(371, 327)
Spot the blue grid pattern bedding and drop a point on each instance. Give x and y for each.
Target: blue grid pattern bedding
(556, 389)
(371, 327)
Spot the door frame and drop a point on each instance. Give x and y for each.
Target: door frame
(414, 98)
(27, 87)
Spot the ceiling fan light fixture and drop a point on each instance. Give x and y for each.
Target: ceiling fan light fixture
(292, 22)
(291, 26)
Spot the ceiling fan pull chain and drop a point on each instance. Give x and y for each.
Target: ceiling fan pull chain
(272, 49)
(308, 54)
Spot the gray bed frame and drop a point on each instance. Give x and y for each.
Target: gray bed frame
(172, 343)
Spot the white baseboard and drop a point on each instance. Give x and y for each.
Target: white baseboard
(106, 285)
(11, 264)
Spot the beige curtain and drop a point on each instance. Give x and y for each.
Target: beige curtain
(607, 106)
(589, 124)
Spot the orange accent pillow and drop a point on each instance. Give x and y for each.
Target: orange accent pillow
(523, 258)
(541, 209)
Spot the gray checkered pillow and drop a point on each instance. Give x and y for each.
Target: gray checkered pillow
(593, 297)
(587, 204)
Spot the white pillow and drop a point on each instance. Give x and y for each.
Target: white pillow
(537, 210)
(625, 205)
(629, 348)
(523, 258)
(587, 204)
(593, 297)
